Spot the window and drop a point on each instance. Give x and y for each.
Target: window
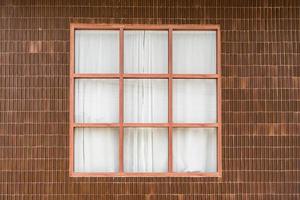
(145, 100)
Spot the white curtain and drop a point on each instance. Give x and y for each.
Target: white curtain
(96, 51)
(146, 51)
(194, 52)
(194, 100)
(146, 100)
(96, 100)
(194, 150)
(146, 150)
(96, 150)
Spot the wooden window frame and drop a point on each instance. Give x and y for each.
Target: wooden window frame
(121, 76)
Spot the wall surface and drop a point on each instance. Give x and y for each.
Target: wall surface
(261, 99)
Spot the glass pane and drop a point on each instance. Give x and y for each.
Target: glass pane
(195, 149)
(96, 100)
(96, 150)
(146, 150)
(194, 100)
(146, 100)
(96, 51)
(146, 51)
(194, 52)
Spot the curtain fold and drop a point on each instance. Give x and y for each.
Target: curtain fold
(194, 101)
(145, 101)
(96, 100)
(145, 150)
(194, 150)
(96, 150)
(146, 51)
(96, 51)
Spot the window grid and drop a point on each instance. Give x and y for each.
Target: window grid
(121, 76)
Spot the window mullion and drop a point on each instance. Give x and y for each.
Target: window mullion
(72, 66)
(170, 111)
(121, 102)
(219, 104)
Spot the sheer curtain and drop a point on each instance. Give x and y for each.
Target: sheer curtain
(96, 51)
(146, 101)
(194, 52)
(146, 52)
(194, 101)
(146, 150)
(96, 150)
(96, 100)
(195, 150)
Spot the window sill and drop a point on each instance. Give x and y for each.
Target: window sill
(145, 174)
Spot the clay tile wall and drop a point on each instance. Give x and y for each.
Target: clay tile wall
(260, 91)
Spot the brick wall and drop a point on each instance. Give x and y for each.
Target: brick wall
(261, 92)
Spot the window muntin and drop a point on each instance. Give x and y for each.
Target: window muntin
(143, 70)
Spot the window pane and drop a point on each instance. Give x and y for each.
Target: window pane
(194, 150)
(194, 100)
(146, 51)
(96, 100)
(145, 100)
(146, 150)
(194, 52)
(96, 51)
(96, 150)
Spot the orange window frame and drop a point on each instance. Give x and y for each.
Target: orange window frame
(121, 76)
